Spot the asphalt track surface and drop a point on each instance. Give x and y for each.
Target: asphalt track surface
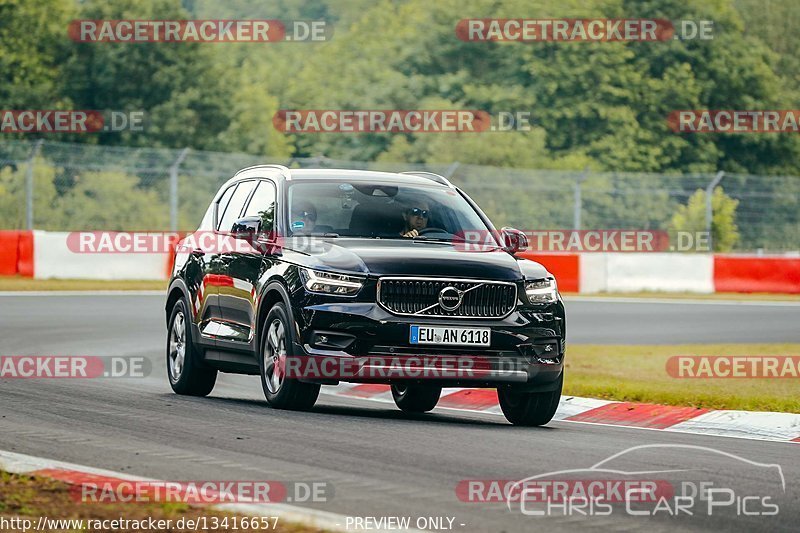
(379, 461)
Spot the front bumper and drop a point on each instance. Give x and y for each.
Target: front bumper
(526, 350)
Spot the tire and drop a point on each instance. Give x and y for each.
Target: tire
(281, 392)
(416, 398)
(530, 408)
(185, 371)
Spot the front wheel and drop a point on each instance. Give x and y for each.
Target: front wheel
(530, 408)
(416, 398)
(186, 373)
(281, 391)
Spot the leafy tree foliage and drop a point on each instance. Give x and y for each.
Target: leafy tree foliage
(594, 106)
(692, 218)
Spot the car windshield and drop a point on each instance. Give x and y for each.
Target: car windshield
(380, 210)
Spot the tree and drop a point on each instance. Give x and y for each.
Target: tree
(31, 49)
(253, 106)
(87, 205)
(692, 218)
(12, 194)
(607, 101)
(180, 86)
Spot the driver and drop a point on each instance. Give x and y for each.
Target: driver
(416, 218)
(304, 217)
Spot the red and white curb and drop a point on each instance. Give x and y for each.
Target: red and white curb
(74, 474)
(782, 427)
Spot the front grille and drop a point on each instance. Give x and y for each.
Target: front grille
(420, 297)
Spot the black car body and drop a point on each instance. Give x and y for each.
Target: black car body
(251, 290)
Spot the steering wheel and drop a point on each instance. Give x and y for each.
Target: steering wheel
(423, 231)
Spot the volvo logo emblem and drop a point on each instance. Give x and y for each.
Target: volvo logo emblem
(450, 298)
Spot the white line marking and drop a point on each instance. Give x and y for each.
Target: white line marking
(612, 300)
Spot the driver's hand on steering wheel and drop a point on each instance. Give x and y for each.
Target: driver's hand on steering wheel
(411, 234)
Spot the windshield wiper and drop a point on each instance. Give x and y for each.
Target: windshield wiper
(422, 238)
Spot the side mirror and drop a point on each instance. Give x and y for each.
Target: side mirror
(246, 229)
(514, 240)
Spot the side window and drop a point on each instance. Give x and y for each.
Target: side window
(223, 203)
(262, 204)
(235, 206)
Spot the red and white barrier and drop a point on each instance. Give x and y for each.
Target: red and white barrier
(565, 267)
(655, 272)
(53, 258)
(736, 273)
(16, 253)
(47, 255)
(592, 273)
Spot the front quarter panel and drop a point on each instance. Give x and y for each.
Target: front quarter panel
(531, 269)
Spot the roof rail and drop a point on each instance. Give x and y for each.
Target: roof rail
(438, 178)
(283, 170)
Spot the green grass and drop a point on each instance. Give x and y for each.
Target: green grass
(17, 283)
(638, 374)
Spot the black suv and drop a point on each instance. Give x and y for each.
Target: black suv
(315, 277)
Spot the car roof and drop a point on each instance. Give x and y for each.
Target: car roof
(303, 174)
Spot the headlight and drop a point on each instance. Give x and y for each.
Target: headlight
(330, 283)
(543, 291)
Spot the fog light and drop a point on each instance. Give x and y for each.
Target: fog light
(332, 341)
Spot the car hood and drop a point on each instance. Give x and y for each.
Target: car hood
(388, 257)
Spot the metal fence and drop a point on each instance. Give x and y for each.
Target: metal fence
(63, 186)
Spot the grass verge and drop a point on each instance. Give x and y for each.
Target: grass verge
(18, 283)
(638, 374)
(27, 497)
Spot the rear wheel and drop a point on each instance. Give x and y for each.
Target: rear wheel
(185, 370)
(282, 392)
(416, 398)
(530, 408)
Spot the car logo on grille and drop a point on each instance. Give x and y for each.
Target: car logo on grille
(450, 298)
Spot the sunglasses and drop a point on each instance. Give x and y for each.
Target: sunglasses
(304, 214)
(417, 212)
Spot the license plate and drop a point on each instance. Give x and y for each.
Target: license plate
(450, 336)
